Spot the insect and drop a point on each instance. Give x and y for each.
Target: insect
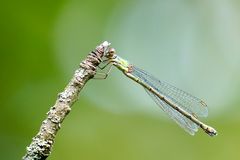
(179, 105)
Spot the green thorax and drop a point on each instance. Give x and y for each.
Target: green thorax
(121, 64)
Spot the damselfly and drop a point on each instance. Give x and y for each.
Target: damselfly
(181, 106)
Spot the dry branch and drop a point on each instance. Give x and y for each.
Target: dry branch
(41, 145)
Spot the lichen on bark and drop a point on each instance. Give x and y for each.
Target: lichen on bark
(42, 143)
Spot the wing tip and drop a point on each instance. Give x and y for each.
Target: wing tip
(203, 103)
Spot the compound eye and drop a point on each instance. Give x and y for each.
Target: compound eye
(111, 52)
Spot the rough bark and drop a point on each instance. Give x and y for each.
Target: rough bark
(42, 143)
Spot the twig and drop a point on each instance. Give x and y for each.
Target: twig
(41, 145)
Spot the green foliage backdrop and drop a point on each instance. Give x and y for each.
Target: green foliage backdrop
(192, 44)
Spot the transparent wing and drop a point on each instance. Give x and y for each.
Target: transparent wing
(186, 101)
(181, 120)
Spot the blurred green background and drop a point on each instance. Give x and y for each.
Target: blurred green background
(195, 45)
